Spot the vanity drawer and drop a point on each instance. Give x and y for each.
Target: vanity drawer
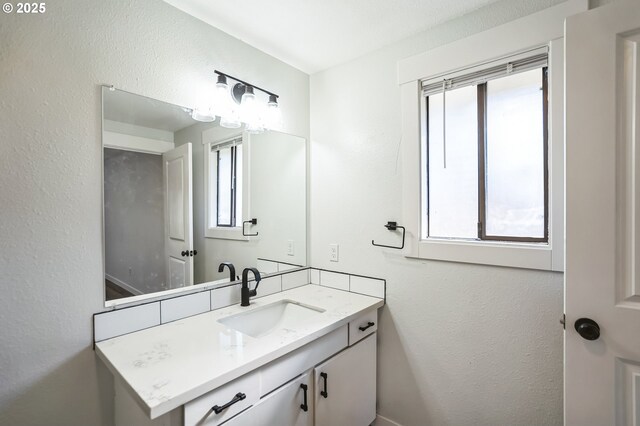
(200, 411)
(363, 326)
(293, 364)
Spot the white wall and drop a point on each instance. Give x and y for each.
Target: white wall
(51, 67)
(459, 344)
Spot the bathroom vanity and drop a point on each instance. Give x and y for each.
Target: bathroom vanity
(305, 356)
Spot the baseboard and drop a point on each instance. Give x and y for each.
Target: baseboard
(383, 421)
(124, 285)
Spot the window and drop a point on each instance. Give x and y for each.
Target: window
(485, 155)
(224, 188)
(228, 164)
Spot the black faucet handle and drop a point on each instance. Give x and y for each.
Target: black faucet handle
(232, 269)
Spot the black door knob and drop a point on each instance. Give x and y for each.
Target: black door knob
(587, 328)
(185, 253)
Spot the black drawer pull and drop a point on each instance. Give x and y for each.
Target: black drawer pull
(364, 327)
(304, 405)
(324, 392)
(219, 409)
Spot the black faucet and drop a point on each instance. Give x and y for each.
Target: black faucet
(232, 270)
(245, 293)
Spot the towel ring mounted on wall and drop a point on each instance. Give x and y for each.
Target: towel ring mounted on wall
(253, 221)
(392, 226)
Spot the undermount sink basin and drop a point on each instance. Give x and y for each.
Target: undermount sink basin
(266, 319)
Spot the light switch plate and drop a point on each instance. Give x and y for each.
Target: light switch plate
(290, 250)
(333, 252)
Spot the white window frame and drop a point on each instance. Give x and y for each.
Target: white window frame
(211, 230)
(545, 28)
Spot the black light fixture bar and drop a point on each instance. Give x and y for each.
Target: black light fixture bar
(245, 83)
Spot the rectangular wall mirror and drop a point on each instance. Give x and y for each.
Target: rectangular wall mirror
(181, 197)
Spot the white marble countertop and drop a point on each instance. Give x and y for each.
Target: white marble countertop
(167, 366)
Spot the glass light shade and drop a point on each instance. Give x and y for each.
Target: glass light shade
(249, 109)
(253, 128)
(203, 114)
(221, 100)
(273, 115)
(231, 120)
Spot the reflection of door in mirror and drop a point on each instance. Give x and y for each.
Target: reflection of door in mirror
(178, 213)
(147, 196)
(148, 221)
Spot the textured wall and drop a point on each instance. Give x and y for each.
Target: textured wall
(134, 219)
(459, 344)
(51, 67)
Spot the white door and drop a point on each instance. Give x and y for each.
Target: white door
(178, 245)
(283, 407)
(345, 386)
(602, 288)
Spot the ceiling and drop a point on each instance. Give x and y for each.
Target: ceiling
(313, 35)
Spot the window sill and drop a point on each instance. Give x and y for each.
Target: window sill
(514, 255)
(226, 233)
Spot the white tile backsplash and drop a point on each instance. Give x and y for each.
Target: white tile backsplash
(123, 321)
(334, 280)
(295, 279)
(134, 318)
(185, 306)
(268, 285)
(369, 286)
(225, 296)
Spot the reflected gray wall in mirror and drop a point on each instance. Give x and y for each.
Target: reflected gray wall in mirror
(162, 198)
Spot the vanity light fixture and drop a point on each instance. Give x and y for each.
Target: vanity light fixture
(239, 104)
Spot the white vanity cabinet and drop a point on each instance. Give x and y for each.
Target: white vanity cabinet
(285, 406)
(329, 381)
(340, 391)
(345, 386)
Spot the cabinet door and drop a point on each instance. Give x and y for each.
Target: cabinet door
(345, 386)
(282, 407)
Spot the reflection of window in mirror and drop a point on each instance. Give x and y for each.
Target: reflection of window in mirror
(224, 188)
(228, 173)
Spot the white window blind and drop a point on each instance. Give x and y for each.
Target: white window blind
(226, 144)
(525, 61)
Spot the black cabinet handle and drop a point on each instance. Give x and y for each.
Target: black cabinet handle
(324, 392)
(304, 405)
(184, 253)
(364, 327)
(219, 409)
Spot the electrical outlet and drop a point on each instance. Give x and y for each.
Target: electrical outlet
(290, 250)
(333, 252)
